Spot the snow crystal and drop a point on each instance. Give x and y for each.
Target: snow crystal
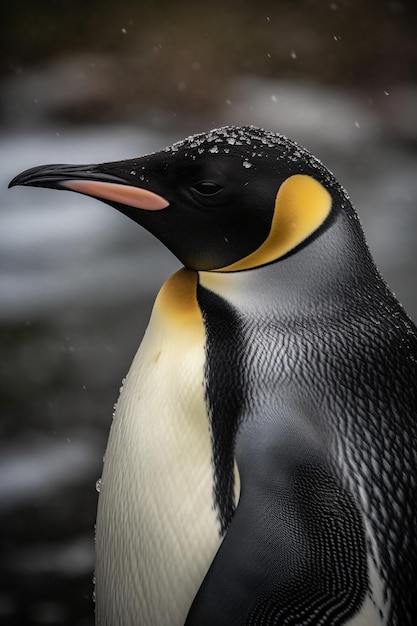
(251, 145)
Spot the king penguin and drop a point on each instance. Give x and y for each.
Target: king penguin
(261, 466)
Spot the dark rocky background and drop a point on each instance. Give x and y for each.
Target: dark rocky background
(89, 81)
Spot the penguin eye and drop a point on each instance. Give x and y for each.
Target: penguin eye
(207, 188)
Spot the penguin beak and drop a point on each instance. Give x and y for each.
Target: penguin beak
(88, 180)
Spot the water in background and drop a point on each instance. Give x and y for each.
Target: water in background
(77, 282)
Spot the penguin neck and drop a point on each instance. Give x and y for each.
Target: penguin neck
(326, 272)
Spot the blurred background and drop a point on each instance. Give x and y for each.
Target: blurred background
(94, 81)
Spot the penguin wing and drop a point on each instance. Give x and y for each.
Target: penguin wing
(295, 551)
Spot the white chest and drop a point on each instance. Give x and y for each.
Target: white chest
(157, 531)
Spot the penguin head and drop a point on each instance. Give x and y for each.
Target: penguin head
(231, 199)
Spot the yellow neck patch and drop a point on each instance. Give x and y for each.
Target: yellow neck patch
(301, 206)
(177, 298)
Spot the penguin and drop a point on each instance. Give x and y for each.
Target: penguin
(261, 465)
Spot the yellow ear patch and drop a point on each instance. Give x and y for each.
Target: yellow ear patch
(301, 206)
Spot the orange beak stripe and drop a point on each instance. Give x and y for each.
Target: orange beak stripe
(123, 194)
